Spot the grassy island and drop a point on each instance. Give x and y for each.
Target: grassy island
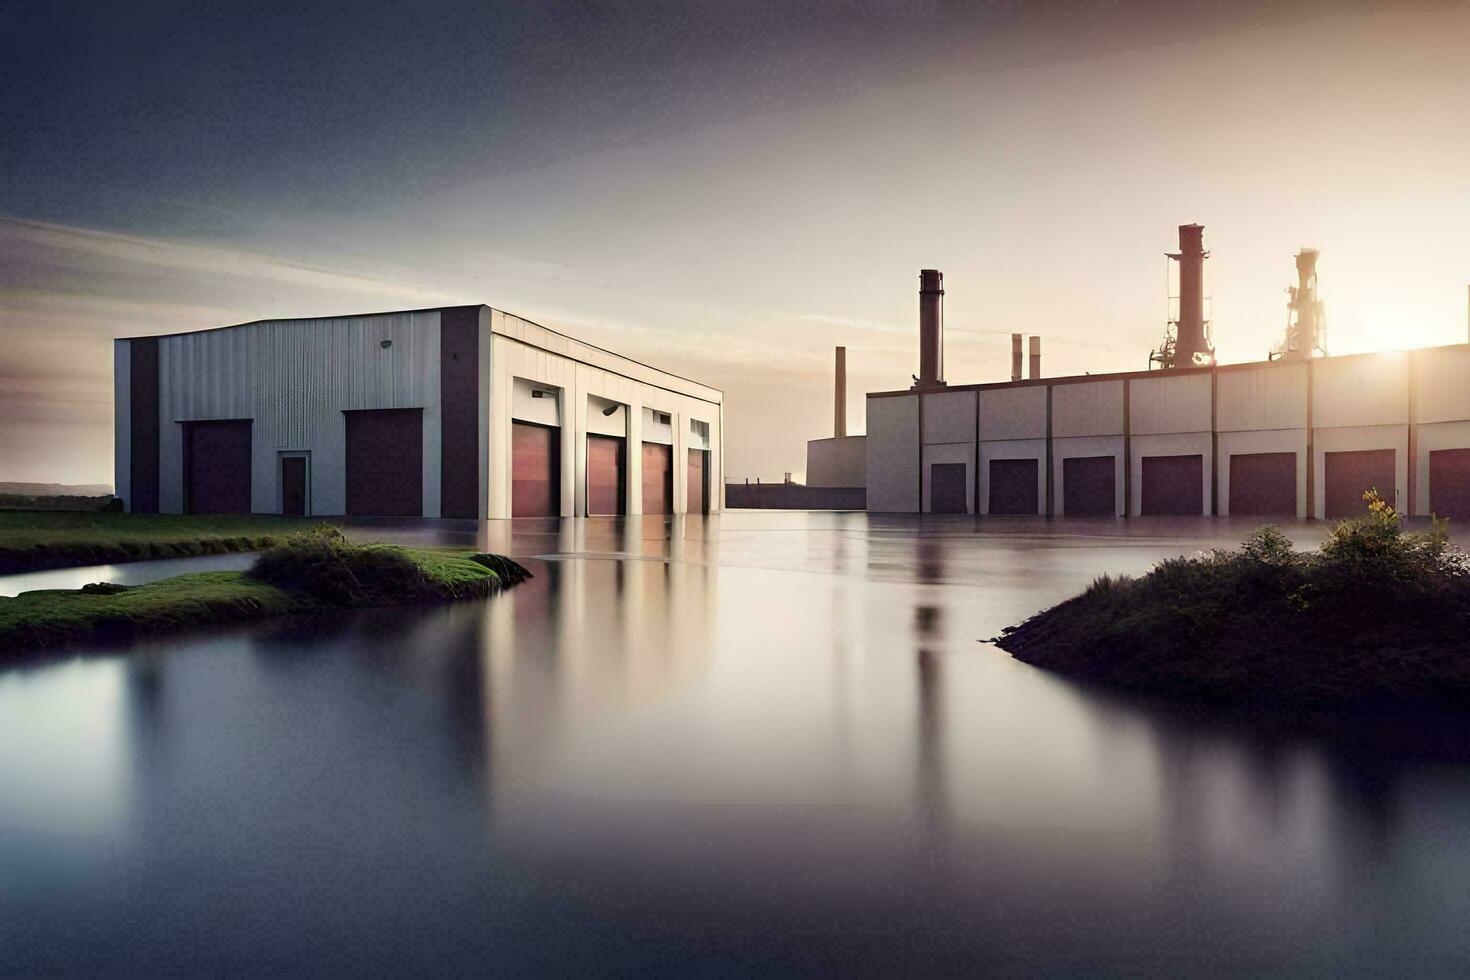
(309, 571)
(33, 540)
(1376, 615)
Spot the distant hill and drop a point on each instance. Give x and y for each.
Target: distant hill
(57, 489)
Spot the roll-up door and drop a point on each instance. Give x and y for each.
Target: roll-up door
(1089, 486)
(1263, 485)
(696, 488)
(1349, 474)
(217, 467)
(1013, 486)
(1449, 482)
(947, 488)
(658, 478)
(535, 470)
(1173, 485)
(385, 463)
(605, 456)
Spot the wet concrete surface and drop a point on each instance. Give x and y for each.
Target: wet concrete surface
(760, 742)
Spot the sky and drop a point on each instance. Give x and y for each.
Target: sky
(725, 190)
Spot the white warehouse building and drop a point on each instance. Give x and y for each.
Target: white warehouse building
(462, 412)
(1288, 438)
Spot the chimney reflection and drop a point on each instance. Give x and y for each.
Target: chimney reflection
(931, 795)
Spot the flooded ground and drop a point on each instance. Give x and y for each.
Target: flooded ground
(763, 742)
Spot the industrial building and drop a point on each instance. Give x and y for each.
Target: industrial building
(1298, 435)
(462, 412)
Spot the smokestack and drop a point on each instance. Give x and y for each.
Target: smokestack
(1035, 358)
(1015, 357)
(1190, 327)
(931, 328)
(839, 406)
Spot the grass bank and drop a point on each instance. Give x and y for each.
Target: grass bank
(311, 571)
(1376, 615)
(30, 541)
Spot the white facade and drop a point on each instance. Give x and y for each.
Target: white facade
(295, 379)
(1412, 403)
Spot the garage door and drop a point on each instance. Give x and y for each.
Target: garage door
(385, 463)
(1263, 485)
(658, 478)
(1173, 485)
(604, 475)
(696, 489)
(1089, 486)
(1449, 482)
(947, 488)
(1349, 474)
(217, 467)
(1013, 486)
(535, 465)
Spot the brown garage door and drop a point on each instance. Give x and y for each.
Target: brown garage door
(1173, 485)
(1263, 484)
(1089, 486)
(696, 489)
(658, 478)
(947, 488)
(217, 467)
(535, 465)
(1013, 486)
(605, 475)
(1449, 482)
(385, 463)
(1349, 474)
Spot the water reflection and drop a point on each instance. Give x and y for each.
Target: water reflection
(752, 742)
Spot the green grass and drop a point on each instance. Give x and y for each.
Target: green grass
(1376, 615)
(315, 570)
(34, 540)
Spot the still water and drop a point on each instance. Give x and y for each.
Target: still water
(761, 742)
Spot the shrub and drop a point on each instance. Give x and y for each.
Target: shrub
(321, 562)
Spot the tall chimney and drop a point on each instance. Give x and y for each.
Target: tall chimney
(839, 405)
(1015, 357)
(1035, 358)
(1190, 327)
(931, 328)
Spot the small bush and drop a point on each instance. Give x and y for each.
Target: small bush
(322, 563)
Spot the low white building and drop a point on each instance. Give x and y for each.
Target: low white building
(1285, 439)
(464, 412)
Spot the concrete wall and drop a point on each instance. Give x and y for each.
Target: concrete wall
(1414, 403)
(837, 462)
(793, 496)
(589, 378)
(893, 454)
(949, 425)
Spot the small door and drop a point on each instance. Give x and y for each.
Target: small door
(696, 491)
(1348, 475)
(658, 478)
(217, 467)
(1449, 482)
(947, 488)
(1090, 486)
(605, 493)
(293, 486)
(1263, 485)
(1173, 485)
(1013, 486)
(385, 463)
(535, 462)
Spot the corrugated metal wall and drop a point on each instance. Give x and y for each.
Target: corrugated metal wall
(294, 379)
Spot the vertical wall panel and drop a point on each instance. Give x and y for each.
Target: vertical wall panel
(459, 405)
(143, 416)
